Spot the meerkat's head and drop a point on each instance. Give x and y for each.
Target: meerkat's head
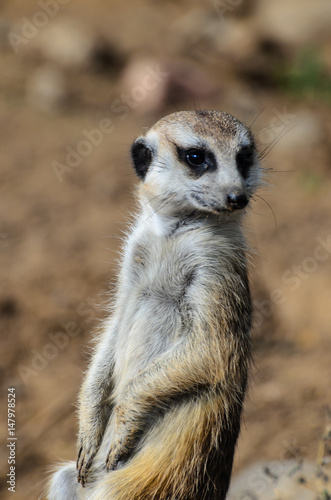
(197, 161)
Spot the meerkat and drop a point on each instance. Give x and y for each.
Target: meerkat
(161, 403)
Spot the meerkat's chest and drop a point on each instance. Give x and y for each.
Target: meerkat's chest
(153, 315)
(162, 271)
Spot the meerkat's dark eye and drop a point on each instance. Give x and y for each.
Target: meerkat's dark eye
(245, 159)
(196, 158)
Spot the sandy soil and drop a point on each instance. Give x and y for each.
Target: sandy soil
(59, 240)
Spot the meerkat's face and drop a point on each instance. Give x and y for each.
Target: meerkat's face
(197, 160)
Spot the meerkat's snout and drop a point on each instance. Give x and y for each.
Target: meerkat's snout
(236, 201)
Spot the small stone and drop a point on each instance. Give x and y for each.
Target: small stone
(153, 84)
(253, 483)
(293, 23)
(46, 89)
(65, 42)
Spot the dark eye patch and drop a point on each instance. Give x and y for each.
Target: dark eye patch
(245, 159)
(141, 157)
(198, 160)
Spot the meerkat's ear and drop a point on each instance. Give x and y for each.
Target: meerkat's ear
(141, 156)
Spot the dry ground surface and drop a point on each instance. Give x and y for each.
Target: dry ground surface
(60, 234)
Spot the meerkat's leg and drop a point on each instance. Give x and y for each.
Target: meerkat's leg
(94, 405)
(182, 370)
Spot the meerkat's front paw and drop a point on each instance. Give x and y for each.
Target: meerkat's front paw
(120, 451)
(85, 457)
(123, 443)
(116, 454)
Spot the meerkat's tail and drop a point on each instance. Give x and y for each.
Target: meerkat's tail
(63, 484)
(172, 462)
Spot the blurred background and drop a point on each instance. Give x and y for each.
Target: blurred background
(79, 81)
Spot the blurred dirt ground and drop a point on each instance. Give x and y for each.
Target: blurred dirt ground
(62, 218)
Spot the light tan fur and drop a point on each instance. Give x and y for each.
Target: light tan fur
(160, 406)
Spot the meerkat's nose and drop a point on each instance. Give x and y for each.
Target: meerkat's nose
(236, 201)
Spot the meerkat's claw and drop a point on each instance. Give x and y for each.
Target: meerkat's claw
(115, 455)
(119, 452)
(83, 464)
(112, 461)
